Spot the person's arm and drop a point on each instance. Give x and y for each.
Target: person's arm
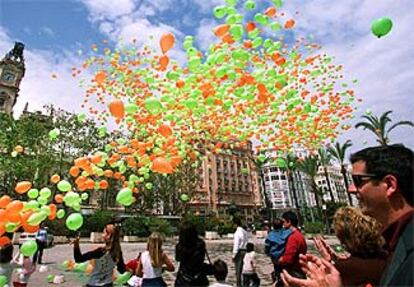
(292, 246)
(139, 272)
(79, 257)
(178, 255)
(168, 263)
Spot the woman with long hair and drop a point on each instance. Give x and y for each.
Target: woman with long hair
(152, 262)
(106, 257)
(190, 251)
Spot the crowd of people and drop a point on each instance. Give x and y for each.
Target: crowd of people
(377, 237)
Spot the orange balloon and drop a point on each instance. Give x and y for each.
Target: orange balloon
(100, 77)
(23, 187)
(289, 24)
(74, 171)
(116, 107)
(15, 206)
(167, 42)
(30, 229)
(221, 30)
(108, 173)
(271, 11)
(96, 159)
(59, 198)
(103, 184)
(164, 60)
(161, 165)
(165, 130)
(3, 216)
(25, 216)
(4, 241)
(4, 201)
(250, 26)
(53, 209)
(55, 178)
(13, 217)
(2, 229)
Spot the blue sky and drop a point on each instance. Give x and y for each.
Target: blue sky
(58, 35)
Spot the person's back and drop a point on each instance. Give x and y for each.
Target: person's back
(276, 240)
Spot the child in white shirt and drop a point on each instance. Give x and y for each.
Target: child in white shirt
(249, 268)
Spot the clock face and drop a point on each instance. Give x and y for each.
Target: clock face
(8, 77)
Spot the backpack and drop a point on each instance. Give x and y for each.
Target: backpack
(275, 243)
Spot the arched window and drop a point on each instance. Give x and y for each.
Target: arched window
(3, 99)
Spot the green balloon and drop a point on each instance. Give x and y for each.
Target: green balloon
(50, 278)
(81, 117)
(84, 196)
(33, 193)
(10, 227)
(3, 280)
(184, 197)
(42, 200)
(36, 218)
(54, 134)
(153, 105)
(231, 3)
(124, 196)
(220, 11)
(381, 27)
(123, 278)
(45, 192)
(31, 205)
(74, 221)
(249, 5)
(28, 248)
(60, 213)
(131, 108)
(64, 186)
(71, 198)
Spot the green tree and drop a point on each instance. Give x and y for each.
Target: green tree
(260, 161)
(309, 165)
(379, 126)
(339, 152)
(290, 166)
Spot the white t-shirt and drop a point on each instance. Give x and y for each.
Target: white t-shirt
(220, 284)
(147, 268)
(249, 263)
(240, 240)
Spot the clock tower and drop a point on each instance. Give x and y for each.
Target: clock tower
(11, 73)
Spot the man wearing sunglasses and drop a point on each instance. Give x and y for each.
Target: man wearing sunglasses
(383, 184)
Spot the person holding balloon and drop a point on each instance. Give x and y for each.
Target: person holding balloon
(106, 257)
(27, 268)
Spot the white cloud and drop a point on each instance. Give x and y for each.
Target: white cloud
(46, 31)
(205, 35)
(38, 88)
(104, 9)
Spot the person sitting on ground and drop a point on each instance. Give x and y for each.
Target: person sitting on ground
(152, 262)
(249, 267)
(220, 273)
(106, 257)
(275, 244)
(361, 237)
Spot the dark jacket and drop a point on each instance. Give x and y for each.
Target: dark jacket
(400, 270)
(191, 271)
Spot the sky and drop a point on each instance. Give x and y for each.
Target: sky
(58, 35)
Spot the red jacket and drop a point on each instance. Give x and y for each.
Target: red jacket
(295, 245)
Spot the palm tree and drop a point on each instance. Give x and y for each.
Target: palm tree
(379, 126)
(260, 161)
(338, 152)
(289, 166)
(325, 160)
(309, 165)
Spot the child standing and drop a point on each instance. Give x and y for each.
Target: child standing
(249, 267)
(27, 267)
(152, 262)
(220, 273)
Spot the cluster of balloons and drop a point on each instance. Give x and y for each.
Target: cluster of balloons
(251, 84)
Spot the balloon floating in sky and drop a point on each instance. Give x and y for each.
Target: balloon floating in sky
(381, 27)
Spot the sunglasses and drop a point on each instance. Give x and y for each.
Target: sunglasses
(360, 179)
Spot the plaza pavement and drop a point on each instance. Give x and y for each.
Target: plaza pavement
(218, 249)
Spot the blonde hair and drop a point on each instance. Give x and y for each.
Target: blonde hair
(154, 247)
(359, 233)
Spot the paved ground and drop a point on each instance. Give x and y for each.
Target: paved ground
(55, 256)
